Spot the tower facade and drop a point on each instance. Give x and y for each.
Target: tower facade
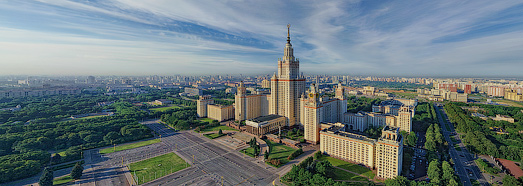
(287, 85)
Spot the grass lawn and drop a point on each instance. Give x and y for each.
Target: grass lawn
(62, 180)
(406, 94)
(161, 165)
(508, 102)
(209, 120)
(248, 151)
(279, 151)
(129, 146)
(349, 166)
(163, 109)
(344, 175)
(214, 135)
(217, 128)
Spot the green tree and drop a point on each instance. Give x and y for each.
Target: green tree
(397, 181)
(434, 172)
(412, 139)
(318, 155)
(220, 132)
(76, 173)
(509, 180)
(47, 178)
(453, 182)
(266, 155)
(448, 172)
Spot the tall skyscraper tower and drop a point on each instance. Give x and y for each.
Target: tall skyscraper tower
(287, 86)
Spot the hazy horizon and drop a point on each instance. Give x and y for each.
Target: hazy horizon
(357, 38)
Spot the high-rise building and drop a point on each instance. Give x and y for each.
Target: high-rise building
(250, 106)
(287, 86)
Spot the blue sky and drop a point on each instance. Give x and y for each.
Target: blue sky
(165, 37)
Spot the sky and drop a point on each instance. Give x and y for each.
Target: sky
(477, 38)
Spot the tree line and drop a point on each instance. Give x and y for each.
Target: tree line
(480, 139)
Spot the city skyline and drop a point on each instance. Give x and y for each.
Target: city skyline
(438, 39)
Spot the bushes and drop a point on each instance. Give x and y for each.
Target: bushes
(275, 162)
(295, 154)
(486, 167)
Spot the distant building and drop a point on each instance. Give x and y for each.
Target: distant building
(448, 86)
(163, 101)
(511, 94)
(468, 89)
(496, 91)
(193, 91)
(39, 92)
(91, 80)
(266, 84)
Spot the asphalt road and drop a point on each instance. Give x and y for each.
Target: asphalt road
(463, 159)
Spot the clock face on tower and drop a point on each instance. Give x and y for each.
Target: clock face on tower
(311, 95)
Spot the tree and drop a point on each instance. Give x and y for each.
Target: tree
(318, 155)
(220, 132)
(434, 172)
(448, 172)
(397, 181)
(452, 182)
(47, 178)
(412, 139)
(509, 180)
(76, 173)
(266, 155)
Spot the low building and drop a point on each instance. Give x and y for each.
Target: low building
(163, 101)
(502, 118)
(265, 124)
(193, 91)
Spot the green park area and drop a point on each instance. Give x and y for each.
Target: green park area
(408, 95)
(163, 109)
(349, 166)
(209, 120)
(153, 168)
(129, 146)
(217, 128)
(62, 180)
(279, 151)
(213, 135)
(248, 151)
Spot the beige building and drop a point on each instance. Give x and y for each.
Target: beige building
(385, 154)
(511, 94)
(389, 153)
(220, 112)
(316, 110)
(287, 85)
(266, 84)
(442, 94)
(265, 124)
(201, 105)
(250, 106)
(394, 113)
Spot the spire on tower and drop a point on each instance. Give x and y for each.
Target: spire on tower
(288, 33)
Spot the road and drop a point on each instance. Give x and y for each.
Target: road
(463, 159)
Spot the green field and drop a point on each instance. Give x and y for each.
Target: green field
(163, 109)
(349, 166)
(217, 128)
(213, 135)
(129, 146)
(248, 151)
(344, 175)
(161, 165)
(279, 151)
(209, 120)
(62, 180)
(406, 94)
